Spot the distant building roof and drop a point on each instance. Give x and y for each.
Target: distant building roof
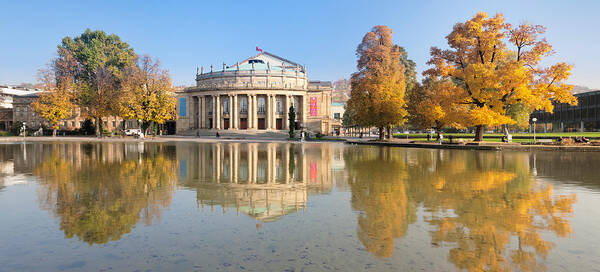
(19, 91)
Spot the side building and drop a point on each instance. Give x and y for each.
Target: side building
(585, 116)
(15, 107)
(255, 95)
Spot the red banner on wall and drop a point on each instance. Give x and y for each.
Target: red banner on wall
(313, 107)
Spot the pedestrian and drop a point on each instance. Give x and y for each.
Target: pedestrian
(218, 135)
(440, 137)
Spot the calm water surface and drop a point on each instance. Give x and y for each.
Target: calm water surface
(68, 206)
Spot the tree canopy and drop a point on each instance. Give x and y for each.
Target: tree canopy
(94, 62)
(495, 65)
(378, 87)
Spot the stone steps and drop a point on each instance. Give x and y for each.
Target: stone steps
(237, 134)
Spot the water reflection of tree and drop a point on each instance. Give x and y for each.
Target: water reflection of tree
(99, 196)
(377, 181)
(486, 206)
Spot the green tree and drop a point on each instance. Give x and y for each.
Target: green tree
(98, 60)
(410, 70)
(378, 88)
(291, 121)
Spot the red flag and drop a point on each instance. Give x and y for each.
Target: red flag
(258, 49)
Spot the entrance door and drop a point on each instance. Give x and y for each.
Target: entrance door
(226, 123)
(210, 124)
(261, 123)
(243, 123)
(279, 123)
(297, 125)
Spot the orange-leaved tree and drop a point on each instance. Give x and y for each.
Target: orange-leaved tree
(55, 103)
(435, 104)
(377, 95)
(496, 65)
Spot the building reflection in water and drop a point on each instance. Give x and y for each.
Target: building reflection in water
(263, 180)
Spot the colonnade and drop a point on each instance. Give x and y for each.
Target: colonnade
(243, 111)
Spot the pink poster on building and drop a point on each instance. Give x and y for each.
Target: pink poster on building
(313, 106)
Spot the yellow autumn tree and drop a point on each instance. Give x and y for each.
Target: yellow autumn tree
(56, 102)
(496, 65)
(377, 95)
(148, 94)
(434, 104)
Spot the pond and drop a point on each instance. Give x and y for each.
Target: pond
(233, 206)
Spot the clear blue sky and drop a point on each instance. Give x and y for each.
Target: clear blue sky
(320, 34)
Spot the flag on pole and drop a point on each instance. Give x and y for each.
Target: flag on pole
(258, 49)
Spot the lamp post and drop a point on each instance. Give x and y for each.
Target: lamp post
(534, 120)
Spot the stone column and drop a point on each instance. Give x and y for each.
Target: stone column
(250, 114)
(218, 111)
(286, 112)
(304, 111)
(254, 111)
(214, 111)
(202, 112)
(268, 112)
(274, 103)
(234, 111)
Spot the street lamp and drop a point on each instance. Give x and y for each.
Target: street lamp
(534, 120)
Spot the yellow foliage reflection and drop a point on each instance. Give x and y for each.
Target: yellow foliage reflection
(100, 192)
(377, 181)
(487, 208)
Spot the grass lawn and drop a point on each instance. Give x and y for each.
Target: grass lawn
(484, 139)
(470, 135)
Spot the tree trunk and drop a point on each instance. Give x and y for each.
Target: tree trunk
(381, 133)
(53, 132)
(389, 132)
(505, 130)
(479, 133)
(98, 128)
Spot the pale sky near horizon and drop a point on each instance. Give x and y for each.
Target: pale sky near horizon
(320, 34)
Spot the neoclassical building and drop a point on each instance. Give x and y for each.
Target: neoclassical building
(255, 94)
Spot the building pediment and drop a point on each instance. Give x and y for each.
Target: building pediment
(266, 58)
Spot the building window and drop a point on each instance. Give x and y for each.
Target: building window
(279, 106)
(336, 115)
(210, 105)
(114, 123)
(261, 105)
(226, 105)
(244, 105)
(73, 123)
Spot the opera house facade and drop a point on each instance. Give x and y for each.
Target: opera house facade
(254, 95)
